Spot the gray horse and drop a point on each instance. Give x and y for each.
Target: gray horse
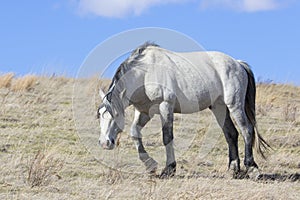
(158, 81)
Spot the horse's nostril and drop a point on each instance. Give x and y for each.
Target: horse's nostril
(113, 141)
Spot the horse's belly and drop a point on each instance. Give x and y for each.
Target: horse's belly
(193, 103)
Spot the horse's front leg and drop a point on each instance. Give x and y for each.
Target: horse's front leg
(140, 120)
(167, 116)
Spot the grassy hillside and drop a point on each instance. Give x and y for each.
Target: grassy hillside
(48, 147)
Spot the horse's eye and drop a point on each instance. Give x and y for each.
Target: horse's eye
(98, 114)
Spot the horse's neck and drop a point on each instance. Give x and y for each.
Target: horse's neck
(121, 99)
(132, 84)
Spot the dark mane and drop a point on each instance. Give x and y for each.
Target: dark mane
(131, 61)
(137, 53)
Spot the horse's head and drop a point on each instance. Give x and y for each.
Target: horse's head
(111, 123)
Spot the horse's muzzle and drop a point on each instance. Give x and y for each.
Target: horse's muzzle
(108, 145)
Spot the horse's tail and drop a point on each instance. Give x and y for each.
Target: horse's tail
(258, 141)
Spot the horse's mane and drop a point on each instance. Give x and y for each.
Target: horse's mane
(130, 62)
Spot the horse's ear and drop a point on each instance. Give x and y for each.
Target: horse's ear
(101, 93)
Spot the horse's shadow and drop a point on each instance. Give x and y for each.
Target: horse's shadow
(279, 177)
(293, 177)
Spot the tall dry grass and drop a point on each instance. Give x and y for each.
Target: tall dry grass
(276, 94)
(280, 97)
(6, 80)
(42, 168)
(24, 83)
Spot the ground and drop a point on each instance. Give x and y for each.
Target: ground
(48, 147)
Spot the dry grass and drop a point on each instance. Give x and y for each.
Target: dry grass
(112, 176)
(277, 94)
(6, 79)
(69, 168)
(42, 168)
(24, 83)
(290, 113)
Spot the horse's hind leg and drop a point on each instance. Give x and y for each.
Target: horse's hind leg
(140, 120)
(166, 114)
(221, 113)
(247, 129)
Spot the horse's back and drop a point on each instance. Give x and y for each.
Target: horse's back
(195, 79)
(190, 77)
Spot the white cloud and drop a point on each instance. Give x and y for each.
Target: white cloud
(119, 8)
(122, 8)
(259, 5)
(242, 5)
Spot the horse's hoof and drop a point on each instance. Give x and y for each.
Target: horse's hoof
(253, 173)
(151, 166)
(234, 169)
(231, 174)
(234, 166)
(168, 171)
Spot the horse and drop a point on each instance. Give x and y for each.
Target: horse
(155, 80)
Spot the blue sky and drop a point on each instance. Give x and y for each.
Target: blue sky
(45, 37)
